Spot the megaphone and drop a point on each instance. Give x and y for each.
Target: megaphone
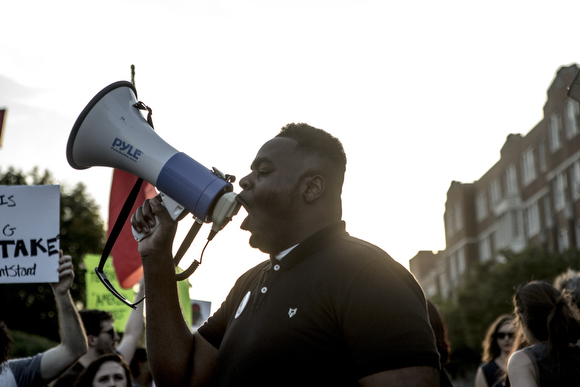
(112, 132)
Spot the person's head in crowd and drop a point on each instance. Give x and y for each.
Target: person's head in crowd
(101, 334)
(440, 331)
(107, 371)
(569, 281)
(5, 342)
(499, 338)
(546, 315)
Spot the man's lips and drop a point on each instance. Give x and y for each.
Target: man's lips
(241, 200)
(244, 225)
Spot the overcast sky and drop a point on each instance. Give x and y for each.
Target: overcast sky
(420, 93)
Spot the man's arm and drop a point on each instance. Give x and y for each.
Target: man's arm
(175, 356)
(403, 377)
(133, 328)
(73, 340)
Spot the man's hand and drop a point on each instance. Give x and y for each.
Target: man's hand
(145, 218)
(66, 275)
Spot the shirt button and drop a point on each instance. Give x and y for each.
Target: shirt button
(264, 289)
(276, 267)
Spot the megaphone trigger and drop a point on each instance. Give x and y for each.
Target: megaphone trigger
(176, 211)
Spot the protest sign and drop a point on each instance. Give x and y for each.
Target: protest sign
(29, 233)
(184, 299)
(99, 297)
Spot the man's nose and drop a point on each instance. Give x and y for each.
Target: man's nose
(245, 182)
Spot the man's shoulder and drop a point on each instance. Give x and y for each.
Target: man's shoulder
(22, 371)
(353, 250)
(24, 363)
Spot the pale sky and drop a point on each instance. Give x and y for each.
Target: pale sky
(420, 93)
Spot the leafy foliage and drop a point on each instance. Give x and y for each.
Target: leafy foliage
(487, 293)
(31, 307)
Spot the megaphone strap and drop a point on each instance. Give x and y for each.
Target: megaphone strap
(141, 106)
(121, 218)
(123, 215)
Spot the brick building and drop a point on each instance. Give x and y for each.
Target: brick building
(530, 197)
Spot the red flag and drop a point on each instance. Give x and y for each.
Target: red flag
(126, 259)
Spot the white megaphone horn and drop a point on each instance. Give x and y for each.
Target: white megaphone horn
(111, 132)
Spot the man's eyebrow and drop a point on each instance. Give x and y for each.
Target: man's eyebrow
(258, 161)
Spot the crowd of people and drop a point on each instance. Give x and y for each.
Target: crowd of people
(538, 345)
(324, 309)
(89, 343)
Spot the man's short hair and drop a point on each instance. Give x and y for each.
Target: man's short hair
(320, 143)
(92, 319)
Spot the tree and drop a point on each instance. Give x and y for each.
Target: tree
(31, 307)
(488, 292)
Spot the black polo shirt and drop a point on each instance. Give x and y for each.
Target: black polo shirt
(335, 309)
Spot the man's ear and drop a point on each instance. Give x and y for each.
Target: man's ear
(314, 186)
(92, 340)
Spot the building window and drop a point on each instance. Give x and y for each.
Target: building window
(511, 181)
(495, 191)
(575, 180)
(563, 240)
(461, 264)
(444, 285)
(559, 192)
(481, 205)
(542, 155)
(528, 167)
(532, 214)
(449, 223)
(453, 268)
(554, 130)
(458, 220)
(547, 211)
(571, 121)
(484, 247)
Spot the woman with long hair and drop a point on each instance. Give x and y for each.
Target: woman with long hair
(497, 346)
(550, 323)
(108, 370)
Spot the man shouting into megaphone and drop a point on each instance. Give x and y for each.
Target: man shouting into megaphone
(324, 309)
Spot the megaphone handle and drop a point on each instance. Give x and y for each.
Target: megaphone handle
(175, 211)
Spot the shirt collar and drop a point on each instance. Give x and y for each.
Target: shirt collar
(282, 254)
(309, 246)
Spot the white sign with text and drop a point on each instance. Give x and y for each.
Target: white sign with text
(29, 233)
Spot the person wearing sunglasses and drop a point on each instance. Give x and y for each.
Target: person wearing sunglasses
(497, 346)
(103, 339)
(550, 322)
